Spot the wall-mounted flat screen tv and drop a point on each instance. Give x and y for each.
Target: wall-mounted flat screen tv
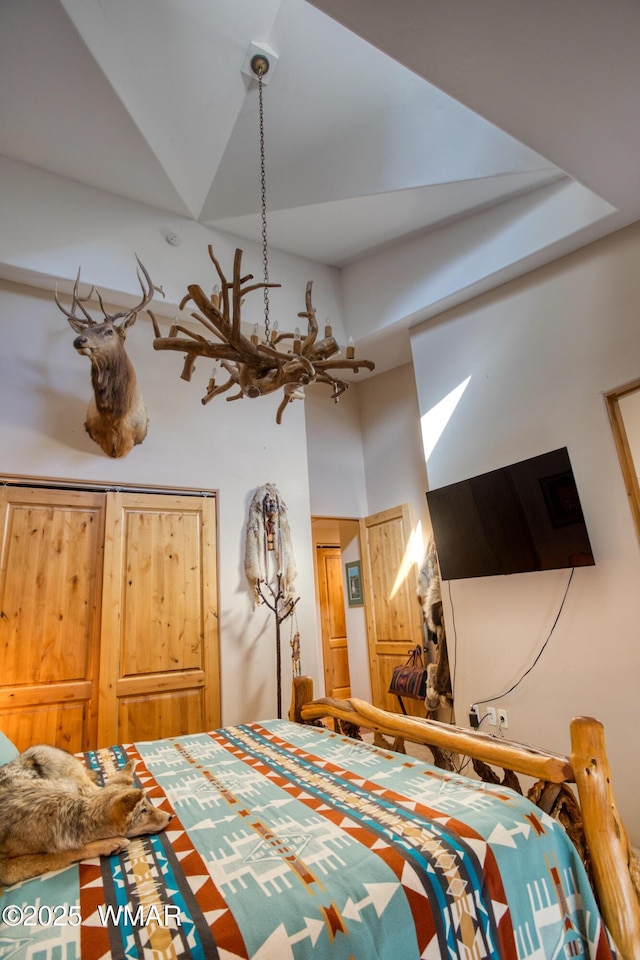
(523, 517)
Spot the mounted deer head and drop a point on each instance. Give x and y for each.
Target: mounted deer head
(116, 417)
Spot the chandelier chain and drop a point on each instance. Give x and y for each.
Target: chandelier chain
(263, 197)
(258, 369)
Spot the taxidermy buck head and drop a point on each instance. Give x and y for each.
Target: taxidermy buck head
(116, 417)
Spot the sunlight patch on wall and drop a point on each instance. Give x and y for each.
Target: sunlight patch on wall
(435, 420)
(413, 554)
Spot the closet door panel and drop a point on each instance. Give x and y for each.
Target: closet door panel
(50, 597)
(47, 723)
(162, 595)
(161, 715)
(159, 622)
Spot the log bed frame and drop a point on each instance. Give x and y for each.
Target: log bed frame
(615, 874)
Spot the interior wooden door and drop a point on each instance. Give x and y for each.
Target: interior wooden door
(394, 620)
(50, 592)
(159, 668)
(334, 626)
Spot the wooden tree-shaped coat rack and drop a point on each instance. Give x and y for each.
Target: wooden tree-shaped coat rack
(282, 608)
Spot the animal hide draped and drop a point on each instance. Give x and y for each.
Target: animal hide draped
(268, 534)
(429, 592)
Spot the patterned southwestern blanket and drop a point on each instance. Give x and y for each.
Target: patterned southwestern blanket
(293, 842)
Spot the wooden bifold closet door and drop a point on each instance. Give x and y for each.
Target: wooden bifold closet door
(159, 660)
(108, 616)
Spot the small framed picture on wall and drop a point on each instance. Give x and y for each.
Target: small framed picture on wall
(354, 584)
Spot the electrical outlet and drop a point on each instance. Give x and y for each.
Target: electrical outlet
(491, 715)
(503, 721)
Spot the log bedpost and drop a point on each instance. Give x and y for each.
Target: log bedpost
(301, 693)
(606, 836)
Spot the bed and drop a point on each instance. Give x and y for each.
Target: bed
(294, 839)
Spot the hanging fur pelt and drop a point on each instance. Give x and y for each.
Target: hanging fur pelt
(430, 595)
(268, 535)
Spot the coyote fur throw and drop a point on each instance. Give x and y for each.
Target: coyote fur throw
(268, 535)
(53, 813)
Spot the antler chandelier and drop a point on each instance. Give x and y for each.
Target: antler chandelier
(257, 366)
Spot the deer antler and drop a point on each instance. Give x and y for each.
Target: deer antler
(78, 323)
(255, 368)
(128, 317)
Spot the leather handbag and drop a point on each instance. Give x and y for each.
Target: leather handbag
(410, 680)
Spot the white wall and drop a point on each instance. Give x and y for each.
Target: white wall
(392, 444)
(541, 352)
(367, 455)
(337, 486)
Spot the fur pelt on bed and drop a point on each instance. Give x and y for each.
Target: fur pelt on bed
(268, 508)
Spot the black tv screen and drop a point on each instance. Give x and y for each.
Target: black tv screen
(523, 517)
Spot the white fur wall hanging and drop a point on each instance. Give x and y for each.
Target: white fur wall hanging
(268, 550)
(271, 569)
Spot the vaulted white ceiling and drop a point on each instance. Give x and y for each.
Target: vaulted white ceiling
(401, 119)
(147, 100)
